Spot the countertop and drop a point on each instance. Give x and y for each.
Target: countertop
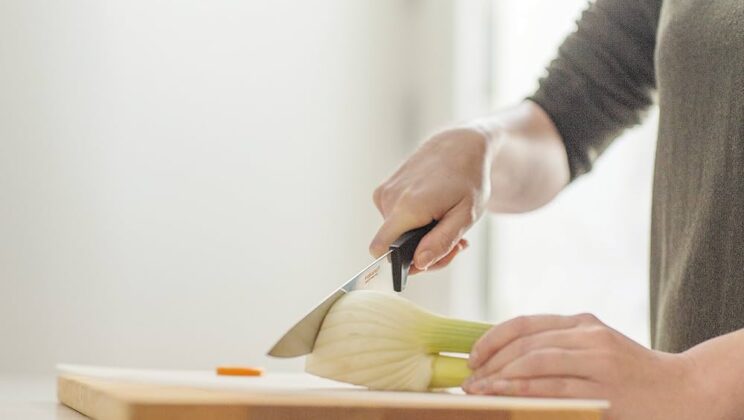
(32, 397)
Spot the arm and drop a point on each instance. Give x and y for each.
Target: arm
(519, 159)
(529, 166)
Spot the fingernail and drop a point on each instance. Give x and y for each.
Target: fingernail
(471, 360)
(500, 385)
(477, 387)
(374, 248)
(424, 260)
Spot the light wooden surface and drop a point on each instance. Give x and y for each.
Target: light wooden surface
(25, 396)
(150, 395)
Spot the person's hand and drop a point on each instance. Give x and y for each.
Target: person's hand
(580, 357)
(446, 179)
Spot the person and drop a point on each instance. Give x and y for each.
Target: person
(686, 55)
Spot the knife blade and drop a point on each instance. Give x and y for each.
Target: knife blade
(388, 272)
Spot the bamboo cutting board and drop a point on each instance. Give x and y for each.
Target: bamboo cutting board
(119, 394)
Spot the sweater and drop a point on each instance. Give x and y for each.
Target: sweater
(687, 56)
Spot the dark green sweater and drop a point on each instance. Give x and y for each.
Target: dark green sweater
(688, 55)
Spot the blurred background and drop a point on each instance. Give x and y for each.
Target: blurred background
(180, 181)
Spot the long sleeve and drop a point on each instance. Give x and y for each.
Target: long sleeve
(602, 78)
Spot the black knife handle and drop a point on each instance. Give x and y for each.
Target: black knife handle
(402, 254)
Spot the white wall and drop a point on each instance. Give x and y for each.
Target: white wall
(179, 181)
(588, 250)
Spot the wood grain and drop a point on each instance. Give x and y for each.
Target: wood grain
(104, 399)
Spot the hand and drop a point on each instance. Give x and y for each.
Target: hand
(446, 179)
(580, 357)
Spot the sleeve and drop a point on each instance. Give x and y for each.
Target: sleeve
(602, 79)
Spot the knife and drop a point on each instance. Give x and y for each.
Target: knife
(389, 272)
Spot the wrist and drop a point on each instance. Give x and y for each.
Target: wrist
(713, 381)
(677, 390)
(507, 189)
(489, 130)
(693, 394)
(527, 158)
(477, 130)
(467, 146)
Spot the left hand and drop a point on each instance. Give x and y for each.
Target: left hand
(580, 357)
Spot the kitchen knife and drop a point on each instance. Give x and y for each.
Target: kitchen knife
(389, 272)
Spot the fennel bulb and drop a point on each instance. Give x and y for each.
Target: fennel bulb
(383, 341)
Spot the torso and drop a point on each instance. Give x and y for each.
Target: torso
(697, 242)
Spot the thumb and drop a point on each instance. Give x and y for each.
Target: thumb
(444, 237)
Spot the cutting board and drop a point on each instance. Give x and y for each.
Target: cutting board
(125, 394)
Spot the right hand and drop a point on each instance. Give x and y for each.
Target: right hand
(446, 179)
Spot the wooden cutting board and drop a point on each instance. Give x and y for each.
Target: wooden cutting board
(122, 394)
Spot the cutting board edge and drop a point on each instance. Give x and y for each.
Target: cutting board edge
(104, 400)
(91, 402)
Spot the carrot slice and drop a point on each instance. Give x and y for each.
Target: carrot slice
(239, 371)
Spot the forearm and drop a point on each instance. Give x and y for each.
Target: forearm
(529, 164)
(718, 374)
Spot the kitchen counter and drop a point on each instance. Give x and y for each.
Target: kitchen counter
(32, 397)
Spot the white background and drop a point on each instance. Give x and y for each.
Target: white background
(180, 181)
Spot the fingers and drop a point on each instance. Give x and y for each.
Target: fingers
(549, 387)
(567, 339)
(438, 243)
(501, 335)
(461, 246)
(544, 363)
(394, 226)
(551, 362)
(549, 356)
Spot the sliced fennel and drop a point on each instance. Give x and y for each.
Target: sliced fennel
(383, 341)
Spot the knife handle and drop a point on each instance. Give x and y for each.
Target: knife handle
(402, 251)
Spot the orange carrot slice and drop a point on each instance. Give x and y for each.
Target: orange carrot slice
(239, 371)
